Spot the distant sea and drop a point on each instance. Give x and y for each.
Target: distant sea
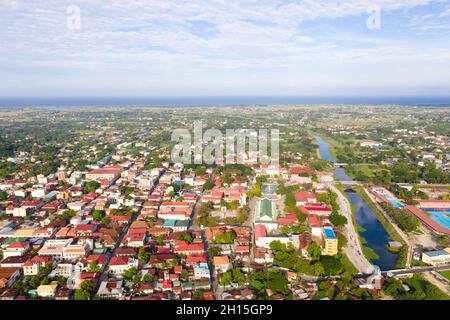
(26, 102)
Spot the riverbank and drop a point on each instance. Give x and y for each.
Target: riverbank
(371, 241)
(369, 253)
(353, 249)
(334, 144)
(393, 234)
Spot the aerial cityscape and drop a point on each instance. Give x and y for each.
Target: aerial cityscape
(226, 157)
(357, 207)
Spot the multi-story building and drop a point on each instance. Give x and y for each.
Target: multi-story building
(330, 242)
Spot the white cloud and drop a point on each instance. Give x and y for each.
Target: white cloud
(153, 43)
(446, 13)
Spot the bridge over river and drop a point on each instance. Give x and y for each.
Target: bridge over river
(387, 273)
(348, 183)
(399, 272)
(340, 164)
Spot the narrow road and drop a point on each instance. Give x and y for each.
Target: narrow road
(104, 273)
(353, 249)
(441, 285)
(251, 215)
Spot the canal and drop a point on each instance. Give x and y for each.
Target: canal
(374, 234)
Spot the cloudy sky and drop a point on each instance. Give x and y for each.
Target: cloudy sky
(224, 47)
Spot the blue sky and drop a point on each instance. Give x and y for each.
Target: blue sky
(224, 47)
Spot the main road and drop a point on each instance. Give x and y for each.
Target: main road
(354, 248)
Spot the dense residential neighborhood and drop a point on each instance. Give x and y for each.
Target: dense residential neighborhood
(105, 213)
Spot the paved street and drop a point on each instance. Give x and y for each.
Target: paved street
(440, 284)
(103, 275)
(251, 215)
(353, 249)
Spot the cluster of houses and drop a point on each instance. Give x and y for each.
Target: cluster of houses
(130, 223)
(269, 221)
(130, 231)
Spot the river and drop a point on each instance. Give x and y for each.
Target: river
(375, 235)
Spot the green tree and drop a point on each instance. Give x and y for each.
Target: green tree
(226, 278)
(234, 205)
(105, 220)
(197, 294)
(314, 251)
(185, 237)
(143, 256)
(45, 280)
(332, 265)
(62, 281)
(3, 195)
(68, 214)
(184, 273)
(208, 185)
(91, 186)
(93, 267)
(214, 251)
(338, 220)
(225, 238)
(147, 278)
(129, 274)
(98, 215)
(85, 291)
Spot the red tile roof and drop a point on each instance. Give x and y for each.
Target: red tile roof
(192, 258)
(427, 220)
(18, 245)
(314, 221)
(118, 261)
(303, 196)
(195, 247)
(260, 231)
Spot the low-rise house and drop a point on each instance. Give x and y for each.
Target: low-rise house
(14, 261)
(63, 270)
(201, 270)
(263, 256)
(143, 288)
(110, 290)
(188, 249)
(47, 290)
(315, 226)
(75, 251)
(222, 263)
(436, 258)
(193, 259)
(54, 248)
(8, 276)
(16, 249)
(302, 198)
(63, 294)
(118, 265)
(34, 265)
(9, 294)
(31, 269)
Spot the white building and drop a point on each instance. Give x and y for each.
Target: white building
(264, 242)
(118, 265)
(437, 257)
(201, 270)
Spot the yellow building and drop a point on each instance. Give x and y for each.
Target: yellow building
(47, 290)
(24, 232)
(330, 242)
